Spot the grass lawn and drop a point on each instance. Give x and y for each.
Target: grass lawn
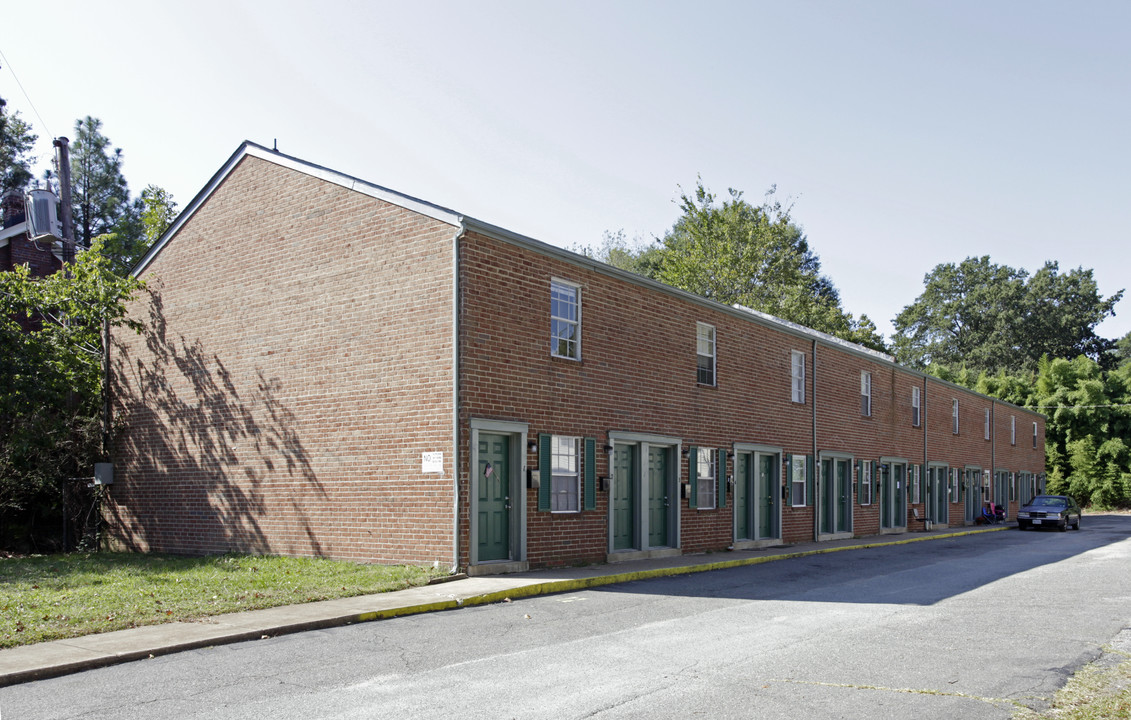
(59, 596)
(1098, 691)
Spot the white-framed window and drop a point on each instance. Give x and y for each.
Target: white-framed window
(565, 486)
(1012, 429)
(953, 490)
(797, 481)
(954, 415)
(987, 433)
(706, 472)
(1034, 436)
(866, 483)
(865, 393)
(565, 320)
(915, 406)
(797, 375)
(916, 488)
(705, 353)
(1012, 486)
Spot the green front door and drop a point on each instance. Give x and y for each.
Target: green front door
(494, 497)
(658, 502)
(899, 495)
(827, 497)
(885, 495)
(843, 494)
(973, 495)
(743, 495)
(931, 498)
(624, 497)
(767, 498)
(938, 495)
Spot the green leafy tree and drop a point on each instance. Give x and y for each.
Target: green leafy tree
(990, 317)
(1122, 351)
(16, 143)
(158, 210)
(756, 256)
(51, 346)
(637, 257)
(1089, 413)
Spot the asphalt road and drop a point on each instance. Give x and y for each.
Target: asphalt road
(969, 627)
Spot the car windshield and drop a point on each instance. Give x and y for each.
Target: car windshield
(1048, 502)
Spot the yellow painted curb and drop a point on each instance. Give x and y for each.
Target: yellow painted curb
(557, 586)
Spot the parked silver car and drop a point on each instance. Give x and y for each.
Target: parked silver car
(1049, 511)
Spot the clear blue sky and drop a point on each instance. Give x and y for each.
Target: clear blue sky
(906, 134)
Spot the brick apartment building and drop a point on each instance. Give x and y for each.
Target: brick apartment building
(332, 368)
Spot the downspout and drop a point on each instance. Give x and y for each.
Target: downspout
(923, 419)
(455, 396)
(816, 465)
(993, 448)
(923, 425)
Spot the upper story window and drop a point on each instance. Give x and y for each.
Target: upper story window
(1034, 436)
(565, 490)
(915, 405)
(797, 375)
(865, 393)
(705, 353)
(565, 320)
(706, 469)
(954, 415)
(987, 423)
(1012, 429)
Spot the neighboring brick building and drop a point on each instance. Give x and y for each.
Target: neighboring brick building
(332, 368)
(16, 246)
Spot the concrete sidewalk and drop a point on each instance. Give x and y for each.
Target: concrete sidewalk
(60, 657)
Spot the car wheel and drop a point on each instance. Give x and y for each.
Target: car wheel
(1063, 525)
(1077, 525)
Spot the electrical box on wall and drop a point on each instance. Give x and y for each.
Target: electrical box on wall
(103, 473)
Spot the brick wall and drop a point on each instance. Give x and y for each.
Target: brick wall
(638, 374)
(295, 363)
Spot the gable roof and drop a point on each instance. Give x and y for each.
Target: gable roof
(464, 223)
(349, 182)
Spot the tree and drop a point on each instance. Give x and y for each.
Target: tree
(1089, 424)
(1122, 351)
(991, 317)
(51, 384)
(158, 210)
(755, 256)
(101, 197)
(16, 143)
(636, 257)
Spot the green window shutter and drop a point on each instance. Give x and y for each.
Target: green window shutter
(590, 474)
(545, 477)
(810, 471)
(693, 477)
(722, 477)
(875, 480)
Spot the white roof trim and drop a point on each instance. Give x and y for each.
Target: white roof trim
(292, 163)
(8, 232)
(832, 339)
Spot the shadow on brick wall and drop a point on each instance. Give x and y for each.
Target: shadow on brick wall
(195, 457)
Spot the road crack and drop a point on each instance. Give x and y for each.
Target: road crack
(997, 702)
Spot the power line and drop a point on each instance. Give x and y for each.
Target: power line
(28, 97)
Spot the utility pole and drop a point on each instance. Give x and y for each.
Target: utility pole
(63, 165)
